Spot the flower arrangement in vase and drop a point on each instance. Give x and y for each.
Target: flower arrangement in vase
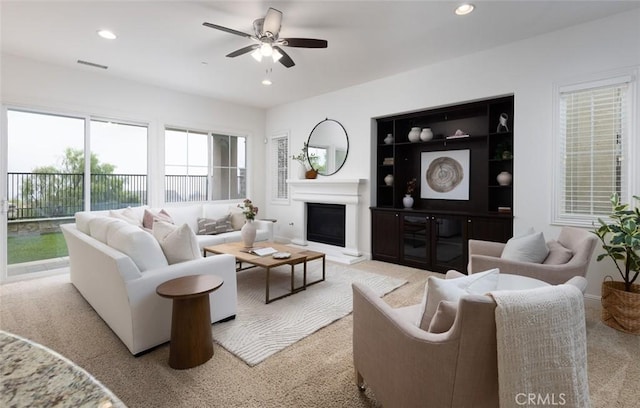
(248, 230)
(407, 200)
(304, 158)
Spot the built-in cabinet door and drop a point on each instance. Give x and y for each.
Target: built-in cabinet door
(385, 235)
(490, 229)
(415, 245)
(449, 243)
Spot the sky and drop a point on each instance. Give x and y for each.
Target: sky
(37, 140)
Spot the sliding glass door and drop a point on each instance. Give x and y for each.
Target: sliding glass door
(48, 180)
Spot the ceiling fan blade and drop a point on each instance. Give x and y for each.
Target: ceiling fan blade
(227, 30)
(244, 50)
(304, 42)
(272, 21)
(286, 59)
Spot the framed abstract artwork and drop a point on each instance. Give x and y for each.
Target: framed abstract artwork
(445, 175)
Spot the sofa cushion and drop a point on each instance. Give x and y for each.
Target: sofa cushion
(150, 216)
(444, 317)
(439, 290)
(210, 226)
(178, 243)
(558, 254)
(139, 245)
(237, 218)
(528, 248)
(82, 221)
(210, 240)
(185, 215)
(127, 215)
(99, 226)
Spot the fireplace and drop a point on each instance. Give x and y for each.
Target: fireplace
(328, 190)
(326, 223)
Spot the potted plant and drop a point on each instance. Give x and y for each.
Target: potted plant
(306, 170)
(620, 236)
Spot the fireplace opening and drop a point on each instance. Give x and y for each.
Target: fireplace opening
(326, 223)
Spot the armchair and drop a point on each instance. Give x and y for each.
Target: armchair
(484, 255)
(406, 366)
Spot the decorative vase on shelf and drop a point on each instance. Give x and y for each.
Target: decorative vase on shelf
(426, 134)
(388, 179)
(407, 201)
(248, 233)
(414, 134)
(311, 174)
(504, 178)
(388, 139)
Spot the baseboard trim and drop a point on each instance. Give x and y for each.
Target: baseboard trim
(592, 300)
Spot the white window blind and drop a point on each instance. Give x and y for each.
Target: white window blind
(280, 168)
(593, 124)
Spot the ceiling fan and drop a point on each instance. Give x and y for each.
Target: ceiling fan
(268, 43)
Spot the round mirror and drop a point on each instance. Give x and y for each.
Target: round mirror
(328, 146)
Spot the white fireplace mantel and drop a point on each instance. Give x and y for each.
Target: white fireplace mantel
(331, 191)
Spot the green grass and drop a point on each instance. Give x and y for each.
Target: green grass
(27, 248)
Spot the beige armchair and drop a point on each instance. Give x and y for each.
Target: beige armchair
(484, 255)
(406, 366)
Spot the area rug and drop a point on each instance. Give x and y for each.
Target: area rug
(261, 330)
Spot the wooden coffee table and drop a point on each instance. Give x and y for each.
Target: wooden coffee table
(191, 341)
(298, 256)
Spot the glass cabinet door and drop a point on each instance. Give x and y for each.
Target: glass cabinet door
(415, 239)
(449, 243)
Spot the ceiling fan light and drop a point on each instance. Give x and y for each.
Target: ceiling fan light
(464, 9)
(266, 50)
(257, 55)
(276, 55)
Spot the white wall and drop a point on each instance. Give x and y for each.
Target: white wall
(35, 85)
(528, 69)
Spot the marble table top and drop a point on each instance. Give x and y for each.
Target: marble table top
(32, 375)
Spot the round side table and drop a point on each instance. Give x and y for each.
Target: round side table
(191, 341)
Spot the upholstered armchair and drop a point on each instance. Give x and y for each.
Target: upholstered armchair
(406, 366)
(576, 245)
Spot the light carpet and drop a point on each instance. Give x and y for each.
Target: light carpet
(261, 330)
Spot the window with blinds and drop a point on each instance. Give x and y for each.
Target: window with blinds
(280, 168)
(594, 123)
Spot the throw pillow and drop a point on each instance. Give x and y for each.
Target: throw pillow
(529, 248)
(141, 247)
(444, 317)
(237, 218)
(99, 226)
(126, 214)
(558, 254)
(452, 289)
(149, 217)
(179, 244)
(207, 226)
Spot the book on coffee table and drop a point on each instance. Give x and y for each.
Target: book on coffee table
(263, 251)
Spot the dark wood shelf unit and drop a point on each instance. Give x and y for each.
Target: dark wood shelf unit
(488, 212)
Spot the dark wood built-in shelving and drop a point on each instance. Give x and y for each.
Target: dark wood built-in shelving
(433, 234)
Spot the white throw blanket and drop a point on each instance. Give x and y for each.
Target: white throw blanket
(542, 347)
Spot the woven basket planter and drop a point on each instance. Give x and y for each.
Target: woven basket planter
(621, 309)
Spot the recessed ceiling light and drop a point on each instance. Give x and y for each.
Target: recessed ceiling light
(465, 9)
(266, 82)
(107, 34)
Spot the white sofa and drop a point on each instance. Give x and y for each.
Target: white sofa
(117, 266)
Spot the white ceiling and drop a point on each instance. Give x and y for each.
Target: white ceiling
(164, 42)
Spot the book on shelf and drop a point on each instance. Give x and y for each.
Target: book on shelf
(504, 209)
(457, 136)
(263, 251)
(388, 161)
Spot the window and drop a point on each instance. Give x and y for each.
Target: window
(594, 123)
(203, 166)
(279, 168)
